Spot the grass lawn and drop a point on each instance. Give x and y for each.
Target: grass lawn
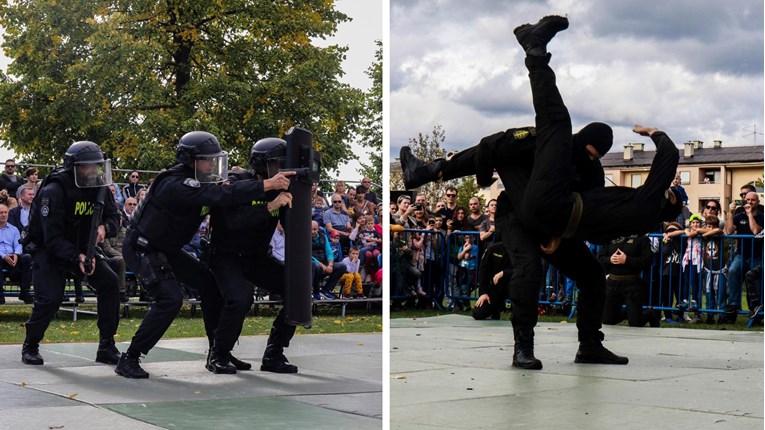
(741, 321)
(63, 329)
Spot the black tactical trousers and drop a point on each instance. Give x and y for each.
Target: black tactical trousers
(572, 258)
(237, 277)
(49, 276)
(168, 296)
(630, 293)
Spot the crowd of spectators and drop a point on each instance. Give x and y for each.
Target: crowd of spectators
(693, 269)
(346, 237)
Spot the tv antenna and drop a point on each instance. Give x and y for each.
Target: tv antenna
(753, 132)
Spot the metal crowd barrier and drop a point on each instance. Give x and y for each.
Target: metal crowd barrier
(424, 265)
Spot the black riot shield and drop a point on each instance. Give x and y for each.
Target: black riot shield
(298, 301)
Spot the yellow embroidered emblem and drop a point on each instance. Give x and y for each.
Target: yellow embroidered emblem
(520, 134)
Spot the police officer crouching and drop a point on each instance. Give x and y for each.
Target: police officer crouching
(166, 219)
(241, 259)
(57, 237)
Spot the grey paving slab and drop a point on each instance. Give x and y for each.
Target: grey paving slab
(340, 381)
(454, 372)
(271, 413)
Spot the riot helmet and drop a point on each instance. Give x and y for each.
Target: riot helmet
(268, 156)
(88, 164)
(201, 151)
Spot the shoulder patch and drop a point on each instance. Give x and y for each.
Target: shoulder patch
(44, 209)
(520, 134)
(191, 182)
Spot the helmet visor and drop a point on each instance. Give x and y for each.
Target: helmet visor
(273, 165)
(92, 174)
(211, 168)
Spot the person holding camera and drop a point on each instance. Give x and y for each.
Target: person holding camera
(404, 214)
(748, 251)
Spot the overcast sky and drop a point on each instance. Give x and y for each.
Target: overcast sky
(693, 68)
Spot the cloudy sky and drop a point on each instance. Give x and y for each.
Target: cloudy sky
(693, 68)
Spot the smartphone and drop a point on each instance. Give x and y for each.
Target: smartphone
(739, 203)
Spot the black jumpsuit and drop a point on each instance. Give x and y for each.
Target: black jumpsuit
(624, 284)
(165, 220)
(494, 260)
(65, 213)
(241, 260)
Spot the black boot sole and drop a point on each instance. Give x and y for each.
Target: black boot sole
(554, 22)
(600, 360)
(221, 370)
(32, 362)
(532, 366)
(106, 360)
(279, 369)
(130, 376)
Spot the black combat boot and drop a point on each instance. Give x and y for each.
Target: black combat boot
(273, 358)
(107, 353)
(30, 354)
(416, 172)
(593, 351)
(239, 364)
(129, 366)
(523, 354)
(534, 37)
(218, 362)
(26, 297)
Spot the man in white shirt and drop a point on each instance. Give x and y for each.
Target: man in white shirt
(12, 259)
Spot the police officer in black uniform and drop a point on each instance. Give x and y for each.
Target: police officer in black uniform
(57, 238)
(241, 260)
(624, 260)
(494, 275)
(165, 220)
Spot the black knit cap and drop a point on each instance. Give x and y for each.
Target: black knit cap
(597, 134)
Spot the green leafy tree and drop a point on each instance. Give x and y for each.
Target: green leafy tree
(371, 124)
(426, 147)
(135, 75)
(466, 189)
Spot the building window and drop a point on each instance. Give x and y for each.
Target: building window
(685, 177)
(636, 180)
(710, 176)
(609, 179)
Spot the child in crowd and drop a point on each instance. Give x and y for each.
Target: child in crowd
(692, 264)
(334, 243)
(369, 241)
(352, 277)
(466, 272)
(715, 251)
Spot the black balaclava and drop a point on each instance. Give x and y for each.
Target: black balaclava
(670, 211)
(597, 134)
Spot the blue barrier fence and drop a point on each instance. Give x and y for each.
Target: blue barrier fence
(718, 271)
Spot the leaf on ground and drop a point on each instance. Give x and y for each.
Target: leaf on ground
(359, 343)
(399, 377)
(73, 395)
(23, 384)
(337, 322)
(74, 333)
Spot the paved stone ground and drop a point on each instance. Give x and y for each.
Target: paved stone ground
(451, 372)
(339, 386)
